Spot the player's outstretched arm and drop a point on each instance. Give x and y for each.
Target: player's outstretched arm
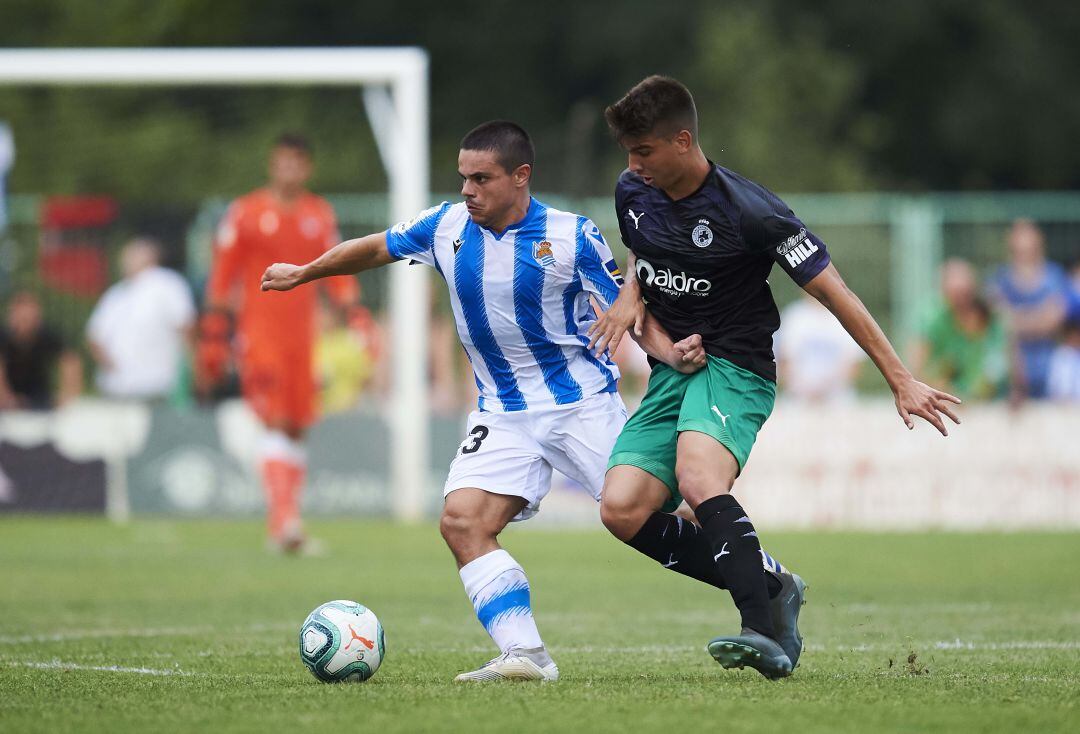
(347, 258)
(912, 397)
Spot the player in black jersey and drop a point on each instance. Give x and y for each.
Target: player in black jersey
(702, 242)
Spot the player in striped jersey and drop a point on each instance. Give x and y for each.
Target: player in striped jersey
(521, 276)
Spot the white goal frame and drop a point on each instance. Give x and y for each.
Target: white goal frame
(395, 82)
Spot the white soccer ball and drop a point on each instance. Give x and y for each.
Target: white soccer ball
(342, 641)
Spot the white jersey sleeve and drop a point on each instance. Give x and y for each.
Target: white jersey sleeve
(600, 275)
(415, 240)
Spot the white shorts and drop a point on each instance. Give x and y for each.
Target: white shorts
(513, 453)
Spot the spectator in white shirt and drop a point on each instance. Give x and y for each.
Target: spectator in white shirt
(138, 330)
(816, 359)
(1063, 379)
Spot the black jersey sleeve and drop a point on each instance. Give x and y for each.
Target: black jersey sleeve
(769, 226)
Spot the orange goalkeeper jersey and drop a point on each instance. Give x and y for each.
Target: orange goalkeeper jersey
(259, 230)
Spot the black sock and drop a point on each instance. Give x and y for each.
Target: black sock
(677, 545)
(680, 546)
(737, 556)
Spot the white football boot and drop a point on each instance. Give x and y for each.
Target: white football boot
(533, 664)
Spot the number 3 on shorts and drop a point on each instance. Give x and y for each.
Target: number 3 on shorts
(476, 436)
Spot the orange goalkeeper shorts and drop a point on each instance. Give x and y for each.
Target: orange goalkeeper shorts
(279, 386)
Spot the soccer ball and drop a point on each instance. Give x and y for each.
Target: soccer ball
(342, 641)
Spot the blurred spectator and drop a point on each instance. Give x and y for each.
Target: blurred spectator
(963, 345)
(816, 359)
(214, 370)
(453, 386)
(33, 358)
(346, 352)
(1063, 380)
(634, 370)
(1032, 293)
(138, 330)
(1073, 306)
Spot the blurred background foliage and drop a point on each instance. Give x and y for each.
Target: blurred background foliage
(836, 95)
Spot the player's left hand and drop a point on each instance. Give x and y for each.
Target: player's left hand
(608, 330)
(690, 353)
(916, 398)
(281, 277)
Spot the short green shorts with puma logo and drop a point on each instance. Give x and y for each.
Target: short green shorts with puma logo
(720, 400)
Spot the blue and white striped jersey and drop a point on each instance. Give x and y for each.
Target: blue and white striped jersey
(520, 300)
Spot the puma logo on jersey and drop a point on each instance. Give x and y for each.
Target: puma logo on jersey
(635, 217)
(723, 552)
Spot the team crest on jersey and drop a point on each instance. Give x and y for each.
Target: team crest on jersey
(702, 235)
(543, 254)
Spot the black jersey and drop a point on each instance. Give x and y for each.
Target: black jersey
(703, 261)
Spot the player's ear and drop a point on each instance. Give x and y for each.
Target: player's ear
(683, 141)
(521, 175)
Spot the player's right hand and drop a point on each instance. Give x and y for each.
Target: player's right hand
(607, 331)
(690, 354)
(281, 277)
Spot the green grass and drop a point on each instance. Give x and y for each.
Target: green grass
(994, 622)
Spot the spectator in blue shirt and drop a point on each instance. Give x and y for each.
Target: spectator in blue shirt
(1032, 293)
(1074, 292)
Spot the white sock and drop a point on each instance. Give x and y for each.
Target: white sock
(277, 445)
(499, 591)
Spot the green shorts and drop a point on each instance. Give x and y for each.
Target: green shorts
(720, 400)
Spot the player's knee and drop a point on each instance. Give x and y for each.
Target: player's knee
(458, 526)
(455, 526)
(697, 484)
(621, 517)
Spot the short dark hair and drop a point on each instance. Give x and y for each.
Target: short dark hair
(294, 140)
(656, 104)
(511, 144)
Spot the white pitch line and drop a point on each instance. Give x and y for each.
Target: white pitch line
(61, 665)
(819, 647)
(880, 646)
(135, 632)
(950, 645)
(1014, 645)
(943, 645)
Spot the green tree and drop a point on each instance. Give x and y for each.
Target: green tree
(780, 107)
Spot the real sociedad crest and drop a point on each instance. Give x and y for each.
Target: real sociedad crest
(543, 254)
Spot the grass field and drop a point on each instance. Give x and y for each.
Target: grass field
(190, 626)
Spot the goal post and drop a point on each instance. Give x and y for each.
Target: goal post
(402, 138)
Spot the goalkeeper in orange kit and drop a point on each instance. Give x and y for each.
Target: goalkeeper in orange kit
(276, 332)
